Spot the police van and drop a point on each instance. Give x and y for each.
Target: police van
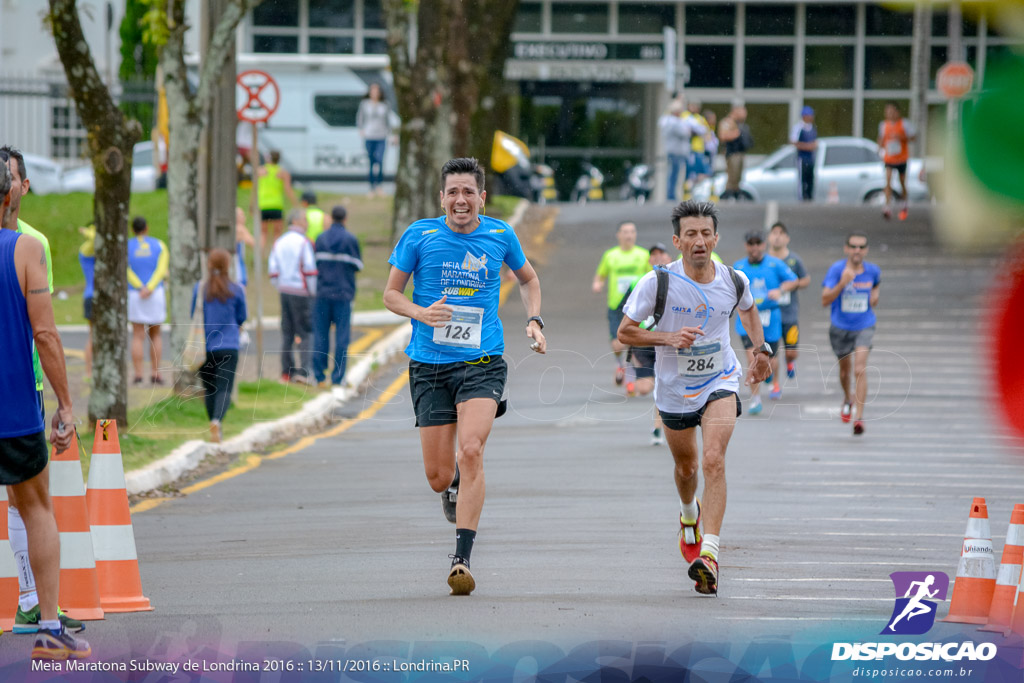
(314, 126)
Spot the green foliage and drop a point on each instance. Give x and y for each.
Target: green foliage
(138, 55)
(155, 29)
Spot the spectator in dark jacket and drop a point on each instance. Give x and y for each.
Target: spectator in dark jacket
(338, 258)
(223, 314)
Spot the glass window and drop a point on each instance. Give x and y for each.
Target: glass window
(828, 66)
(885, 67)
(831, 20)
(770, 20)
(373, 15)
(579, 17)
(528, 18)
(882, 21)
(832, 117)
(710, 65)
(331, 45)
(646, 18)
(874, 113)
(768, 66)
(277, 44)
(787, 160)
(332, 13)
(711, 20)
(338, 111)
(846, 155)
(276, 14)
(769, 124)
(940, 24)
(375, 46)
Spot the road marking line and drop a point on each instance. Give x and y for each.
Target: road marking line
(254, 461)
(772, 579)
(74, 353)
(365, 340)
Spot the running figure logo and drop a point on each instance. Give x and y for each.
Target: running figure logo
(914, 612)
(473, 264)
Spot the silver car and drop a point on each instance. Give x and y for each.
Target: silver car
(144, 173)
(847, 170)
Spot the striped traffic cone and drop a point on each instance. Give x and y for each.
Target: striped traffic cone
(1017, 625)
(976, 574)
(117, 564)
(79, 595)
(8, 571)
(1000, 614)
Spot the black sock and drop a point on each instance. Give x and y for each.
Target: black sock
(464, 542)
(455, 481)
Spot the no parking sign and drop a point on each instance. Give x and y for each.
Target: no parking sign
(260, 94)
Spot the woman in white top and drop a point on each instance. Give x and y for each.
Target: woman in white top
(372, 121)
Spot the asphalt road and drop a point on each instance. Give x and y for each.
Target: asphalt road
(343, 542)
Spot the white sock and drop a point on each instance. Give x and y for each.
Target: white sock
(709, 546)
(50, 625)
(689, 511)
(19, 546)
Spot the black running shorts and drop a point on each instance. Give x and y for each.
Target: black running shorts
(643, 361)
(271, 214)
(681, 421)
(22, 457)
(437, 389)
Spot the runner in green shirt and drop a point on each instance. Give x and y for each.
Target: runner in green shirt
(620, 268)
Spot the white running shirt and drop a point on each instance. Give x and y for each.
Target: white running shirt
(684, 378)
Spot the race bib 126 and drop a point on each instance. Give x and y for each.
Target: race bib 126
(463, 330)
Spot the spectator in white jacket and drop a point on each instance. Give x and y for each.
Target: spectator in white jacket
(292, 270)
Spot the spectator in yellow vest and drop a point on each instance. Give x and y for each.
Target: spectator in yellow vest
(314, 216)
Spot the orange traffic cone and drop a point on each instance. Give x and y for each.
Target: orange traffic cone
(833, 193)
(79, 595)
(1017, 625)
(1000, 614)
(8, 571)
(976, 573)
(117, 564)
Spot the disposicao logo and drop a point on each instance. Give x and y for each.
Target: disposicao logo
(917, 594)
(914, 612)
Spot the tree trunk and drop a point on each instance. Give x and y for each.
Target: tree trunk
(189, 113)
(443, 85)
(110, 137)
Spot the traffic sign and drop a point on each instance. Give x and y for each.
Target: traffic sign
(954, 79)
(260, 95)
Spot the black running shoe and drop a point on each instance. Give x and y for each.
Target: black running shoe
(59, 645)
(460, 580)
(450, 496)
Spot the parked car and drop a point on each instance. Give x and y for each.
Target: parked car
(848, 170)
(144, 173)
(45, 176)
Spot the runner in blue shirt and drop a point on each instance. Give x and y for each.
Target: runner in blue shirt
(851, 290)
(769, 279)
(456, 372)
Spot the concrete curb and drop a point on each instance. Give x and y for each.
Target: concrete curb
(359, 319)
(313, 417)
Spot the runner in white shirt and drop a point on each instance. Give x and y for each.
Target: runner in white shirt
(697, 374)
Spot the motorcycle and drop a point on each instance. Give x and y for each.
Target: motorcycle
(589, 186)
(517, 174)
(639, 184)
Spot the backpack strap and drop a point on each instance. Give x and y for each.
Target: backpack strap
(740, 286)
(660, 297)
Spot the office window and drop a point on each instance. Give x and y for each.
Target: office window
(528, 18)
(331, 45)
(579, 17)
(711, 20)
(375, 46)
(373, 15)
(276, 14)
(710, 65)
(940, 24)
(832, 117)
(768, 66)
(882, 21)
(770, 20)
(646, 18)
(332, 14)
(886, 67)
(831, 20)
(275, 44)
(828, 67)
(769, 124)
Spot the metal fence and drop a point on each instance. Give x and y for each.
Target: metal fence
(38, 115)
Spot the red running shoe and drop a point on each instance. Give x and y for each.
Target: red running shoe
(846, 412)
(620, 375)
(690, 537)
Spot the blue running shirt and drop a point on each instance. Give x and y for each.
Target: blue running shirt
(851, 310)
(767, 275)
(466, 268)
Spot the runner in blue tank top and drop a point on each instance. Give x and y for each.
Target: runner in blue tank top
(28, 316)
(456, 372)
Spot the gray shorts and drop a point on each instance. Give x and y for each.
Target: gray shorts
(845, 341)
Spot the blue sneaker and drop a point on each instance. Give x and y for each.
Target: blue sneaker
(755, 406)
(790, 370)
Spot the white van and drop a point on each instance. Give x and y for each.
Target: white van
(314, 126)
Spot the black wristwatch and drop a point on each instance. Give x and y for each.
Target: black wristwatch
(765, 349)
(539, 320)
